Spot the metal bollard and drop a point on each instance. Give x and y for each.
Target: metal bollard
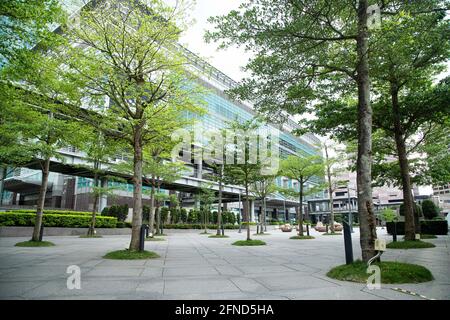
(307, 230)
(223, 231)
(142, 237)
(348, 243)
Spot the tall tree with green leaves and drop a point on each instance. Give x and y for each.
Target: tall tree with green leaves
(263, 187)
(206, 197)
(98, 150)
(409, 49)
(302, 170)
(245, 168)
(127, 54)
(313, 51)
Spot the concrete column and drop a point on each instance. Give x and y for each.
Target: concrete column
(104, 198)
(252, 211)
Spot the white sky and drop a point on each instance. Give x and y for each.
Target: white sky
(228, 61)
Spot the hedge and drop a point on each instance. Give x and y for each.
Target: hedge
(198, 226)
(435, 227)
(55, 220)
(76, 213)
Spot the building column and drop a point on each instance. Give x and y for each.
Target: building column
(252, 211)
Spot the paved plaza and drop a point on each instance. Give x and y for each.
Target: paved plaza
(193, 266)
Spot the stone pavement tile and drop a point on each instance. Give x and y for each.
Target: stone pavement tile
(150, 286)
(37, 273)
(218, 262)
(256, 269)
(300, 267)
(233, 296)
(121, 263)
(152, 272)
(199, 285)
(249, 285)
(327, 293)
(186, 262)
(189, 271)
(293, 281)
(228, 270)
(432, 290)
(88, 287)
(110, 271)
(385, 292)
(17, 288)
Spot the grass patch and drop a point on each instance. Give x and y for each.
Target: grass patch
(32, 243)
(301, 237)
(130, 255)
(154, 239)
(218, 236)
(262, 234)
(414, 244)
(94, 236)
(249, 243)
(391, 272)
(333, 234)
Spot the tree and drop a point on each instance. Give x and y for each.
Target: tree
(245, 169)
(206, 197)
(301, 170)
(127, 54)
(299, 48)
(98, 150)
(263, 187)
(331, 171)
(26, 24)
(429, 209)
(411, 50)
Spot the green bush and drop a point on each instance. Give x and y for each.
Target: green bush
(429, 209)
(55, 220)
(435, 227)
(65, 212)
(118, 211)
(145, 213)
(417, 210)
(183, 215)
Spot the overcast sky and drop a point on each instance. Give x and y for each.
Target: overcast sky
(228, 61)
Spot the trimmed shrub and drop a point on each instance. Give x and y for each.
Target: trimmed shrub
(435, 227)
(145, 213)
(183, 215)
(55, 220)
(65, 212)
(118, 211)
(429, 209)
(417, 210)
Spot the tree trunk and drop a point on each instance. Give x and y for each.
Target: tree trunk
(137, 190)
(41, 200)
(152, 212)
(404, 167)
(158, 214)
(91, 231)
(247, 215)
(219, 209)
(300, 210)
(366, 215)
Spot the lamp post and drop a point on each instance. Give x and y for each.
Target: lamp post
(350, 215)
